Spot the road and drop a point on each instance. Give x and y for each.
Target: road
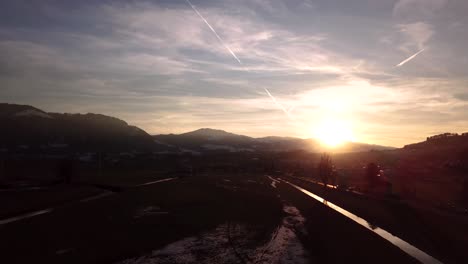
(204, 219)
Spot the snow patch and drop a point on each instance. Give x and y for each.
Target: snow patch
(224, 147)
(285, 247)
(193, 152)
(227, 242)
(273, 182)
(219, 147)
(32, 112)
(163, 144)
(212, 247)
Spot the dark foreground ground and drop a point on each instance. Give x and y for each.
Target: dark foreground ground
(443, 235)
(233, 218)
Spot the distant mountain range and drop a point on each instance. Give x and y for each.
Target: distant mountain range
(26, 128)
(206, 139)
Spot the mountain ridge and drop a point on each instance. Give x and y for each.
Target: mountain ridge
(33, 130)
(201, 137)
(25, 125)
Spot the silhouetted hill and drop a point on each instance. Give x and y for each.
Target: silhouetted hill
(207, 139)
(443, 151)
(30, 129)
(12, 110)
(445, 140)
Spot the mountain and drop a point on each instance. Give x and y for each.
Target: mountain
(449, 150)
(206, 139)
(441, 141)
(30, 129)
(25, 128)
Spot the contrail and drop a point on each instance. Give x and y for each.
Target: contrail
(408, 59)
(214, 31)
(277, 103)
(287, 112)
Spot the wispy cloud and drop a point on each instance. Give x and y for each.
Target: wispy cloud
(158, 59)
(417, 9)
(416, 35)
(409, 58)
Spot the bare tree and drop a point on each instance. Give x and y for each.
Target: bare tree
(372, 174)
(325, 168)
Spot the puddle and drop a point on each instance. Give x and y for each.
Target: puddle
(153, 182)
(25, 216)
(403, 245)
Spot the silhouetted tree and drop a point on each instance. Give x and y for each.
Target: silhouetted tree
(464, 166)
(325, 168)
(464, 192)
(372, 174)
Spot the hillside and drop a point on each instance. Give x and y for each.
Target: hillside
(28, 129)
(207, 139)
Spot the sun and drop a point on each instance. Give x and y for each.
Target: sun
(333, 132)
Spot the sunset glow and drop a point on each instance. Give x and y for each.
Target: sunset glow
(333, 133)
(259, 68)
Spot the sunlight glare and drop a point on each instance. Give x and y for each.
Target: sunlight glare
(334, 132)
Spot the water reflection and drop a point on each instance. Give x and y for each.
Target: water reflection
(403, 245)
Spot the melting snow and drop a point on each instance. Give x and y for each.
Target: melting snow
(273, 182)
(285, 247)
(164, 144)
(224, 147)
(32, 112)
(215, 247)
(212, 247)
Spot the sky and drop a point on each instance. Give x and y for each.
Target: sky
(385, 72)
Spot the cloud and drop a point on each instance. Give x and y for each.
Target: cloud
(417, 9)
(416, 35)
(159, 66)
(461, 96)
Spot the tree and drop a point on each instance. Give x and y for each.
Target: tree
(372, 174)
(325, 168)
(464, 167)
